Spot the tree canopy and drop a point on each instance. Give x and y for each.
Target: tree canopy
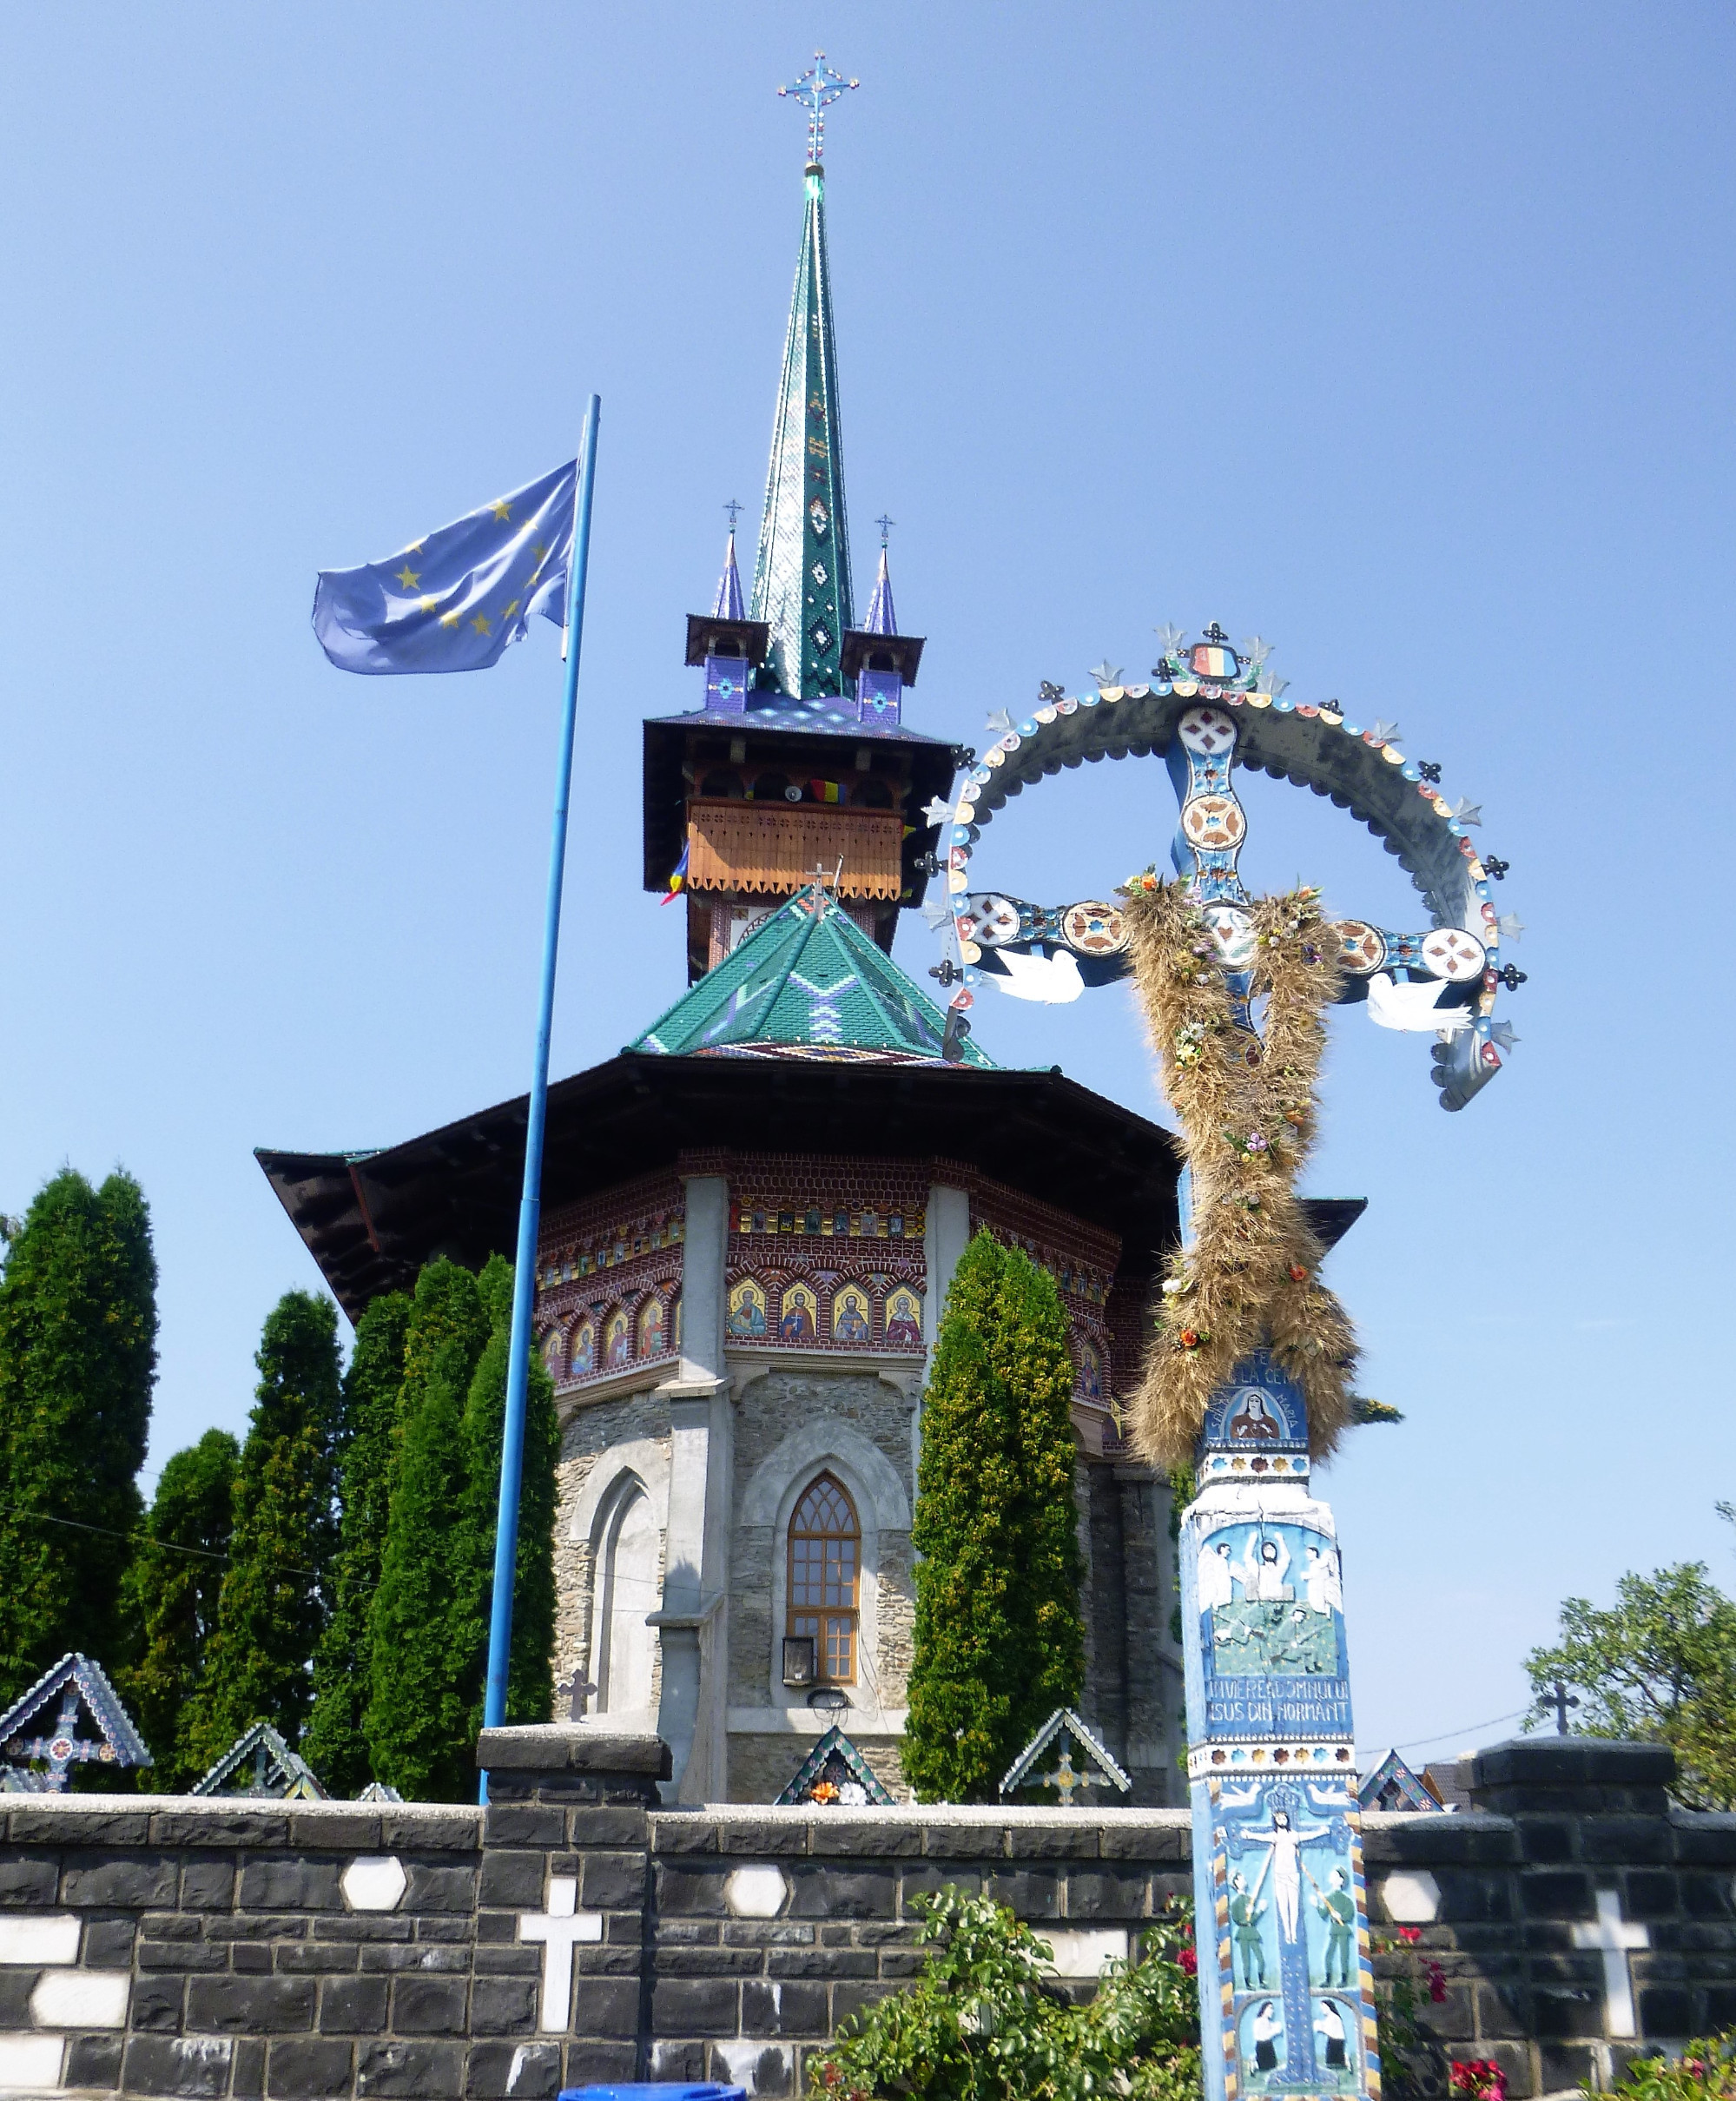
(77, 1364)
(999, 1641)
(1660, 1666)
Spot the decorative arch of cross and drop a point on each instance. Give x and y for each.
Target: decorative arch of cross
(1209, 708)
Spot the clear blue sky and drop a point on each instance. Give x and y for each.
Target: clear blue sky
(1402, 336)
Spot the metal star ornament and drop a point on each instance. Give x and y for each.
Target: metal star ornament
(1254, 651)
(937, 912)
(1468, 813)
(1000, 722)
(1106, 674)
(1387, 732)
(1171, 638)
(1502, 1034)
(937, 812)
(1512, 927)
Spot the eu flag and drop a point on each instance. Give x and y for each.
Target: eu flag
(452, 602)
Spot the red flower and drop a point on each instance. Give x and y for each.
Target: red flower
(1297, 1274)
(1437, 1983)
(1411, 1935)
(1188, 1340)
(1187, 1962)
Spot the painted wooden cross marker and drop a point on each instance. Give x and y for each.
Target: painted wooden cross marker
(560, 1929)
(1612, 1938)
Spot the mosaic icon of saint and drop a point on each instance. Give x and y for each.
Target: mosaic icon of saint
(748, 1313)
(651, 1329)
(1090, 1378)
(903, 1321)
(583, 1361)
(797, 1324)
(849, 1319)
(620, 1341)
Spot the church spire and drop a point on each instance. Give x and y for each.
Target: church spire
(801, 571)
(728, 605)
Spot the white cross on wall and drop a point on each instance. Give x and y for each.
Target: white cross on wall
(560, 1929)
(1612, 1939)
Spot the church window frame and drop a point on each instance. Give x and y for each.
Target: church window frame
(823, 1578)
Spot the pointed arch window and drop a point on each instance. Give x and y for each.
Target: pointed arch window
(825, 1578)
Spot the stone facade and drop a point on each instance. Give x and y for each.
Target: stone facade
(722, 1337)
(575, 1932)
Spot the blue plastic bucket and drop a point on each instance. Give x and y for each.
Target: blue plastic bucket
(656, 2089)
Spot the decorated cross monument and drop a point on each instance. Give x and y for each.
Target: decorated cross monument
(1248, 1378)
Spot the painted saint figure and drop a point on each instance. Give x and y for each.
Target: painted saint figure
(849, 1319)
(1321, 1581)
(1247, 1908)
(1262, 1569)
(1267, 2028)
(1252, 1420)
(1337, 1907)
(1286, 1841)
(1214, 1578)
(1329, 2024)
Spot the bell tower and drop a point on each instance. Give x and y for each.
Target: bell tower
(798, 763)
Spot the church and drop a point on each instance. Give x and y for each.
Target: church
(751, 1217)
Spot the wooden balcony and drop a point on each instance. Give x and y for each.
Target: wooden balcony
(774, 848)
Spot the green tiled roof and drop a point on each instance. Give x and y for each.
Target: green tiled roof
(807, 983)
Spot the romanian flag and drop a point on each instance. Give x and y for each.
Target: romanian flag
(678, 882)
(824, 791)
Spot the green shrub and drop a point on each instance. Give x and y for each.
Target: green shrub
(985, 2020)
(1706, 2071)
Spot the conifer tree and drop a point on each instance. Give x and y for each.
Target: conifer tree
(336, 1742)
(272, 1608)
(529, 1678)
(77, 1364)
(417, 1717)
(172, 1594)
(999, 1641)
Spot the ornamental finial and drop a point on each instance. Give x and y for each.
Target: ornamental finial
(816, 90)
(886, 525)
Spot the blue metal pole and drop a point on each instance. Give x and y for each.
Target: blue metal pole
(530, 1209)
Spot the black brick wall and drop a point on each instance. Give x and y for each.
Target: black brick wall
(247, 1973)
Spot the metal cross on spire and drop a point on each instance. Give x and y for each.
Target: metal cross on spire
(886, 525)
(735, 510)
(816, 90)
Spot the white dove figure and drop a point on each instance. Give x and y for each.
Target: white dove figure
(1054, 979)
(1413, 1007)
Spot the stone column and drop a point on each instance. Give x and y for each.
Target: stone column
(691, 1623)
(561, 1921)
(944, 1239)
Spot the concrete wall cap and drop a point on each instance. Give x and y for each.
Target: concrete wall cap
(1572, 1761)
(555, 1746)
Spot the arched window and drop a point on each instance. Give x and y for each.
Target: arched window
(626, 1592)
(825, 1576)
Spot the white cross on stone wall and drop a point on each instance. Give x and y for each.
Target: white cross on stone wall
(560, 1929)
(1612, 1939)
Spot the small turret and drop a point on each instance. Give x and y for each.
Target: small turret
(729, 645)
(875, 656)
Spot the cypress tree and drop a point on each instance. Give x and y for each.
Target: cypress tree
(336, 1743)
(272, 1608)
(529, 1677)
(172, 1598)
(999, 1641)
(77, 1363)
(417, 1717)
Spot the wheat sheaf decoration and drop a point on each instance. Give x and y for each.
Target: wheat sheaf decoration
(1246, 1106)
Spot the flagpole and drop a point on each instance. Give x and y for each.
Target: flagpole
(530, 1208)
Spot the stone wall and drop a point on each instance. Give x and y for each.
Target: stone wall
(574, 1932)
